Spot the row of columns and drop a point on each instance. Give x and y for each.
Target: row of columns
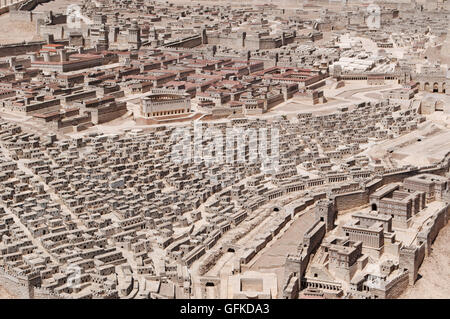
(337, 179)
(322, 286)
(172, 112)
(310, 184)
(295, 189)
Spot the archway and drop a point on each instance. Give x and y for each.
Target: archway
(374, 207)
(426, 86)
(230, 250)
(209, 284)
(435, 88)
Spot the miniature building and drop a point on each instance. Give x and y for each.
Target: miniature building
(433, 186)
(163, 102)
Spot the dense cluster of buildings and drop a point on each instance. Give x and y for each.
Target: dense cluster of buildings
(108, 202)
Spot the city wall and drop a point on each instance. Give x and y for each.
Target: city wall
(394, 288)
(189, 42)
(23, 288)
(14, 284)
(433, 226)
(397, 286)
(24, 48)
(24, 16)
(351, 200)
(19, 48)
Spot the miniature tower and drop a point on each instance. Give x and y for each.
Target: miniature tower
(113, 34)
(204, 36)
(103, 38)
(325, 212)
(134, 35)
(408, 257)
